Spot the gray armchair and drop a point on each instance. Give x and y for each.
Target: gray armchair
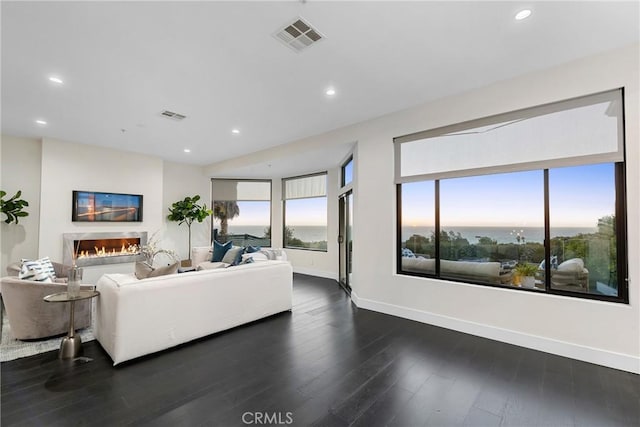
(30, 316)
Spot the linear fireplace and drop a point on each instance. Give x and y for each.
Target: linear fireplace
(103, 248)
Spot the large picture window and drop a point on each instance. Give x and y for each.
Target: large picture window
(558, 228)
(305, 212)
(242, 211)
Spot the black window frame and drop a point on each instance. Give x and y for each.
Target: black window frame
(621, 243)
(270, 181)
(343, 174)
(284, 212)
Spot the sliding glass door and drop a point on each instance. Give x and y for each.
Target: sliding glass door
(345, 239)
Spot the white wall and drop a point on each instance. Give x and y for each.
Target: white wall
(48, 171)
(598, 332)
(68, 166)
(180, 181)
(20, 170)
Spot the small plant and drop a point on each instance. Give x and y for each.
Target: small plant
(186, 211)
(526, 270)
(13, 208)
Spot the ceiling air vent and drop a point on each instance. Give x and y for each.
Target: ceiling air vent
(299, 35)
(172, 115)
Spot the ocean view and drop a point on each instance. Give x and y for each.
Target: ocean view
(501, 234)
(306, 233)
(313, 233)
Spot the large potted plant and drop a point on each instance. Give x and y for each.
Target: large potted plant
(185, 212)
(13, 208)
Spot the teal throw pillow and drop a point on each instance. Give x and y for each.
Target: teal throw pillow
(252, 249)
(219, 250)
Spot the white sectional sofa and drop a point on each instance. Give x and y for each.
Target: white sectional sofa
(138, 317)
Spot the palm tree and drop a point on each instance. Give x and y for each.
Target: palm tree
(225, 210)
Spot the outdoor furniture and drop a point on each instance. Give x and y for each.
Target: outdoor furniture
(571, 275)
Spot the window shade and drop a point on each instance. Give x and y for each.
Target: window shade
(582, 130)
(232, 189)
(305, 187)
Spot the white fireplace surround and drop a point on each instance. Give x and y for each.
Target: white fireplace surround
(68, 247)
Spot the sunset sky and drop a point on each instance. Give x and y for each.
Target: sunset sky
(578, 197)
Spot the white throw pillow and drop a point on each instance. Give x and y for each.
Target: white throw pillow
(39, 270)
(201, 254)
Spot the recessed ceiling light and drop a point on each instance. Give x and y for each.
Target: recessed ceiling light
(523, 14)
(55, 79)
(186, 150)
(235, 131)
(41, 122)
(330, 91)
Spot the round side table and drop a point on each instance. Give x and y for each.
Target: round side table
(71, 344)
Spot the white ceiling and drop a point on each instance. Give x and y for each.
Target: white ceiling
(218, 63)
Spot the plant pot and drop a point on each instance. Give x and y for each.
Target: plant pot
(185, 263)
(528, 282)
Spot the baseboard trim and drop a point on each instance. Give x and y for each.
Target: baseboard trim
(317, 273)
(623, 362)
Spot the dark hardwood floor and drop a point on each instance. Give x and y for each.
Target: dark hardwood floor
(327, 363)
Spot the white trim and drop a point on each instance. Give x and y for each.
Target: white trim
(355, 298)
(317, 273)
(610, 359)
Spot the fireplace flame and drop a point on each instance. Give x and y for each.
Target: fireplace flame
(131, 249)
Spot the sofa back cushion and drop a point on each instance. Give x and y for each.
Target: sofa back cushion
(480, 270)
(277, 254)
(419, 265)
